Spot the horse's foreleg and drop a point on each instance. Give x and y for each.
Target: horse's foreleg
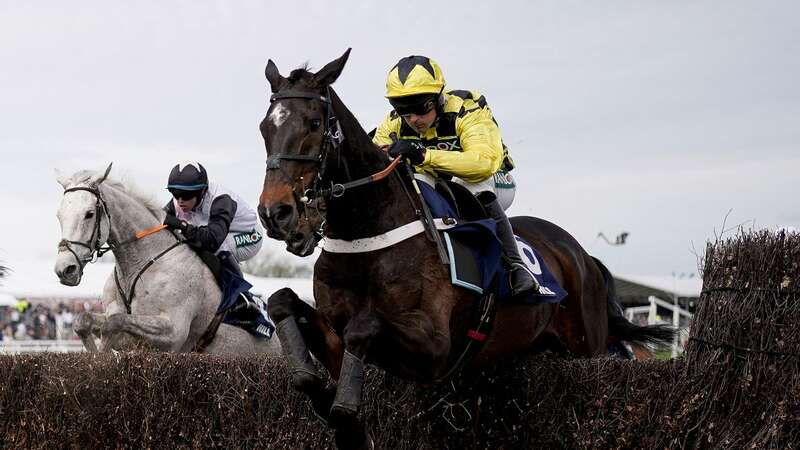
(156, 331)
(358, 335)
(281, 307)
(86, 325)
(299, 326)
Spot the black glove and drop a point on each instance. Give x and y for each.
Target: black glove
(414, 151)
(173, 223)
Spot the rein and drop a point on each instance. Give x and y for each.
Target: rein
(127, 299)
(338, 189)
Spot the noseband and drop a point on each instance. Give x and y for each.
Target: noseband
(93, 243)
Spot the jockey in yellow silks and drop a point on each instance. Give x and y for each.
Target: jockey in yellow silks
(452, 134)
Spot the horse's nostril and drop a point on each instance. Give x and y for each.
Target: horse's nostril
(70, 270)
(283, 213)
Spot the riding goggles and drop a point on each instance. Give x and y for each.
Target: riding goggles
(184, 195)
(419, 109)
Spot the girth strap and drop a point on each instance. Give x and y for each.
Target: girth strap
(476, 336)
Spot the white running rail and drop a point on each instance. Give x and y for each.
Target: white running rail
(653, 318)
(38, 346)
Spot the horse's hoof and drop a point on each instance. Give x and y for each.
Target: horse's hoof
(322, 419)
(341, 414)
(353, 439)
(304, 381)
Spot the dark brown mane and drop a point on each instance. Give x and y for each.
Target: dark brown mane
(355, 134)
(301, 75)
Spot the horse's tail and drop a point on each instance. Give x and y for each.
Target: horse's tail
(620, 328)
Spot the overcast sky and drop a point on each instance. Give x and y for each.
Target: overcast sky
(655, 118)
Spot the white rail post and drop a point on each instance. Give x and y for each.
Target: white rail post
(676, 324)
(652, 316)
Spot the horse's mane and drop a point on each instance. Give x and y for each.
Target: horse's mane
(302, 73)
(83, 177)
(352, 129)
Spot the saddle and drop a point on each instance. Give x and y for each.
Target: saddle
(474, 250)
(466, 206)
(238, 307)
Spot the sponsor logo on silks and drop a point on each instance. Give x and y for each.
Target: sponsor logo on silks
(504, 180)
(447, 145)
(247, 238)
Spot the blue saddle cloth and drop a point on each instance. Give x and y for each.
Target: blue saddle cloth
(475, 256)
(242, 309)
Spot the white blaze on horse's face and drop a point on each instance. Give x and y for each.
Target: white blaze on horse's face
(77, 216)
(279, 114)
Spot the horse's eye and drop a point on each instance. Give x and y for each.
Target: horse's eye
(89, 214)
(315, 124)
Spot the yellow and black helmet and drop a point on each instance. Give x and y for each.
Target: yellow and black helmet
(414, 75)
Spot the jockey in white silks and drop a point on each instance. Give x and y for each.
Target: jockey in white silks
(211, 217)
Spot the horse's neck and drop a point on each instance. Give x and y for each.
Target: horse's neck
(128, 217)
(370, 209)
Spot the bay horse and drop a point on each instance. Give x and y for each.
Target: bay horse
(396, 307)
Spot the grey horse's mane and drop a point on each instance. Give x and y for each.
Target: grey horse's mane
(84, 176)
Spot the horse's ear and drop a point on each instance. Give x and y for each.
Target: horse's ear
(62, 179)
(328, 74)
(97, 179)
(276, 80)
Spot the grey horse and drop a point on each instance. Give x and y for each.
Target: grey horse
(165, 306)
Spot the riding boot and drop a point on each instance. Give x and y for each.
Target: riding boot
(227, 261)
(522, 280)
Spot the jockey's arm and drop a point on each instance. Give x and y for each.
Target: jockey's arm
(482, 147)
(210, 237)
(383, 133)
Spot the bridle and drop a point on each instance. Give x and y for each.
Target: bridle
(94, 242)
(333, 138)
(97, 250)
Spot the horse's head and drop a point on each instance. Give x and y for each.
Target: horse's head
(85, 224)
(298, 132)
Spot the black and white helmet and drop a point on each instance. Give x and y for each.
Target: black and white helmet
(188, 176)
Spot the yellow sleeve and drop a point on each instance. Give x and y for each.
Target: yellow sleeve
(385, 129)
(482, 147)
